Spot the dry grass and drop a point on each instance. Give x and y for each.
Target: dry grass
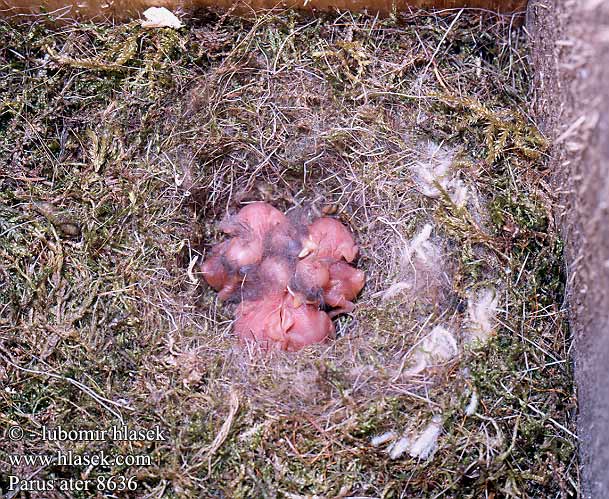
(121, 148)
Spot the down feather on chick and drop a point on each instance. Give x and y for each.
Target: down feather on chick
(274, 273)
(257, 218)
(311, 276)
(284, 273)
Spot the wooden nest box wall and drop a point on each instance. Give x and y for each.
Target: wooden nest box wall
(125, 9)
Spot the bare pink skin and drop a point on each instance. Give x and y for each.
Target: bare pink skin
(310, 277)
(344, 285)
(256, 218)
(213, 268)
(262, 321)
(276, 323)
(332, 239)
(242, 251)
(275, 273)
(282, 273)
(309, 326)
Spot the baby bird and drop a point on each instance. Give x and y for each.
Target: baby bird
(276, 323)
(231, 261)
(344, 285)
(311, 275)
(284, 274)
(328, 238)
(309, 325)
(257, 219)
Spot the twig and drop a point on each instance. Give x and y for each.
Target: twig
(104, 402)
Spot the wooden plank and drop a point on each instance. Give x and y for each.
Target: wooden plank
(125, 9)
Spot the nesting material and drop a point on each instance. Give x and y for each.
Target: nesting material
(426, 443)
(168, 126)
(421, 446)
(437, 347)
(160, 17)
(288, 277)
(433, 175)
(482, 311)
(422, 266)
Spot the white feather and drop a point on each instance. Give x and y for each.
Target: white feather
(421, 262)
(437, 347)
(433, 175)
(383, 438)
(399, 447)
(482, 311)
(426, 443)
(433, 170)
(160, 17)
(472, 406)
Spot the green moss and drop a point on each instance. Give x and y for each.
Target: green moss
(103, 122)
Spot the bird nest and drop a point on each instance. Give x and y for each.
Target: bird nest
(123, 150)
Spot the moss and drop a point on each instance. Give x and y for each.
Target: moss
(144, 139)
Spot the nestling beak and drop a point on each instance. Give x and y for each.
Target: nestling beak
(295, 298)
(308, 247)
